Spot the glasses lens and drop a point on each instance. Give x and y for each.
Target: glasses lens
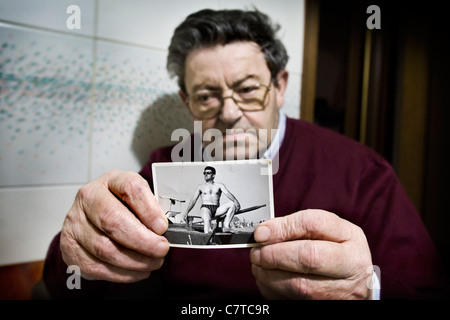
(207, 172)
(206, 105)
(252, 97)
(249, 97)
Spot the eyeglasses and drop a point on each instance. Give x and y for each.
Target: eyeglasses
(207, 104)
(207, 172)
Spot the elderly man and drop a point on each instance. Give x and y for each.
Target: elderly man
(339, 208)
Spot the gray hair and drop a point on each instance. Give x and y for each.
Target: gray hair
(208, 28)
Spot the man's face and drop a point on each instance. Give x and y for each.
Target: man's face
(221, 68)
(208, 174)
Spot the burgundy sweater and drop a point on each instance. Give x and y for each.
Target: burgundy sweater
(318, 169)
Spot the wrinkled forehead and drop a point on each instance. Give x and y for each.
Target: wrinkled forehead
(223, 65)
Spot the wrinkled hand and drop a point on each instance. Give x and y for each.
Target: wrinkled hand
(113, 230)
(311, 254)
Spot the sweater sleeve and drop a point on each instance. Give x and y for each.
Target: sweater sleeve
(410, 267)
(55, 269)
(55, 277)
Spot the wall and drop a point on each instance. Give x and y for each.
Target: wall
(76, 103)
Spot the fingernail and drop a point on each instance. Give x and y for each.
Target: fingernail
(162, 248)
(160, 226)
(255, 255)
(262, 233)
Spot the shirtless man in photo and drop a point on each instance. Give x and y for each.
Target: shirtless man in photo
(210, 193)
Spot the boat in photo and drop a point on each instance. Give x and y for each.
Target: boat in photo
(191, 233)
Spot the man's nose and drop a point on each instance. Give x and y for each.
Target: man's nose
(230, 112)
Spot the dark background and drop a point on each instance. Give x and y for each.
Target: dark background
(399, 104)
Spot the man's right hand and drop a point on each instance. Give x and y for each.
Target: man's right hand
(114, 229)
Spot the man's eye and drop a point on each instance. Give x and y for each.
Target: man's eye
(247, 90)
(204, 98)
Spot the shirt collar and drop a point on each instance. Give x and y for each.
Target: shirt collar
(276, 142)
(278, 138)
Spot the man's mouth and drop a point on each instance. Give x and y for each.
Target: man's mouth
(235, 135)
(234, 144)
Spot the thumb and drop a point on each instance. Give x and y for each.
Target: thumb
(135, 192)
(313, 224)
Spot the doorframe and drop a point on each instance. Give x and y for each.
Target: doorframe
(310, 51)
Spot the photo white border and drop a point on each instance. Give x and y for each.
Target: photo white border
(267, 173)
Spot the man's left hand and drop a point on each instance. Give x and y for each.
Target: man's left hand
(311, 254)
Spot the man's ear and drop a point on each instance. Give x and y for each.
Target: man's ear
(282, 79)
(183, 97)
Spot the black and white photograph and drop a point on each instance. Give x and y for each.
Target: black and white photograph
(214, 204)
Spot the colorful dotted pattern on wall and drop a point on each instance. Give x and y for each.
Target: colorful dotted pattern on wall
(72, 107)
(44, 107)
(58, 103)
